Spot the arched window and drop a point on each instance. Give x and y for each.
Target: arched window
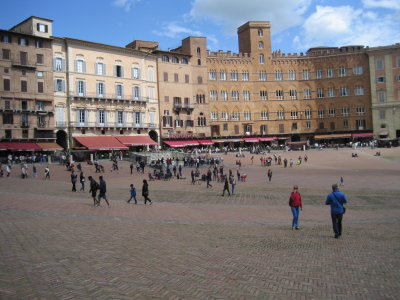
(198, 51)
(260, 45)
(260, 32)
(184, 61)
(165, 58)
(262, 60)
(175, 60)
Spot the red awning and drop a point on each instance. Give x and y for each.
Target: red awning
(175, 144)
(136, 140)
(23, 147)
(365, 134)
(3, 146)
(205, 142)
(252, 140)
(49, 146)
(192, 143)
(265, 139)
(101, 143)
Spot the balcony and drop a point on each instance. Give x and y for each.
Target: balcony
(61, 124)
(22, 65)
(183, 106)
(87, 96)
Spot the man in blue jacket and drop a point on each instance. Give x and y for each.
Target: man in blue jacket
(336, 199)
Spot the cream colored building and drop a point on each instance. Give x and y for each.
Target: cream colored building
(384, 63)
(103, 90)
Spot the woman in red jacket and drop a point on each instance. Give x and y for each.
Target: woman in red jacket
(295, 206)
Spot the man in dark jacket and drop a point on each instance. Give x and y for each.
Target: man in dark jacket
(94, 186)
(74, 179)
(209, 177)
(336, 199)
(103, 190)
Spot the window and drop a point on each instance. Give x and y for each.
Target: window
(332, 112)
(342, 71)
(234, 75)
(263, 95)
(293, 94)
(262, 59)
(307, 94)
(224, 116)
(213, 95)
(135, 73)
(380, 79)
(81, 91)
(331, 92)
(382, 114)
(379, 64)
(344, 91)
(308, 124)
(59, 64)
(6, 39)
(359, 91)
(360, 124)
(212, 75)
(165, 77)
(6, 84)
(6, 53)
(214, 116)
(8, 118)
(39, 58)
(225, 127)
(260, 32)
(23, 58)
(360, 110)
(24, 86)
(151, 93)
(119, 91)
(224, 95)
(101, 87)
(80, 66)
(59, 85)
(329, 73)
(235, 95)
(175, 60)
(247, 115)
(278, 75)
(184, 61)
(40, 105)
(260, 45)
(358, 70)
(246, 95)
(320, 93)
(245, 76)
(40, 87)
(292, 75)
(294, 114)
(22, 42)
(41, 27)
(235, 115)
(281, 115)
(308, 113)
(264, 115)
(39, 44)
(264, 129)
(118, 71)
(345, 123)
(176, 77)
(321, 113)
(101, 117)
(306, 75)
(318, 74)
(100, 69)
(279, 94)
(165, 58)
(281, 128)
(199, 62)
(7, 104)
(150, 71)
(381, 96)
(120, 117)
(199, 79)
(345, 111)
(222, 75)
(137, 118)
(262, 76)
(166, 100)
(294, 126)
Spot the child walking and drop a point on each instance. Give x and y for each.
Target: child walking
(133, 194)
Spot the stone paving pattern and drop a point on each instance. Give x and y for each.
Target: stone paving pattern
(194, 244)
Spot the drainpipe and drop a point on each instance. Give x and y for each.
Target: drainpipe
(69, 130)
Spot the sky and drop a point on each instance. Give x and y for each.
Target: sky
(296, 25)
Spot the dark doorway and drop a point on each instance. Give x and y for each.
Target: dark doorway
(62, 138)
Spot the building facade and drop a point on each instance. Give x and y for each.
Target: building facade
(298, 97)
(26, 93)
(384, 64)
(103, 90)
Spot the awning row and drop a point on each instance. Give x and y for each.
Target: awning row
(178, 144)
(108, 143)
(15, 146)
(343, 136)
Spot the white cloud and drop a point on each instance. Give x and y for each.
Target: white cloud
(283, 14)
(344, 25)
(175, 30)
(389, 4)
(125, 4)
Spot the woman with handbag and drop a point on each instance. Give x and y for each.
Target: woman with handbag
(295, 205)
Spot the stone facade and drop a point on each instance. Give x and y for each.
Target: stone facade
(26, 93)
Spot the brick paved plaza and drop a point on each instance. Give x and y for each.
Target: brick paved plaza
(194, 244)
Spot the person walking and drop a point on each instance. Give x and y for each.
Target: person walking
(192, 175)
(336, 199)
(295, 205)
(232, 181)
(341, 181)
(133, 194)
(82, 181)
(209, 177)
(94, 186)
(47, 173)
(131, 167)
(102, 191)
(34, 171)
(8, 170)
(269, 175)
(145, 192)
(226, 187)
(74, 178)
